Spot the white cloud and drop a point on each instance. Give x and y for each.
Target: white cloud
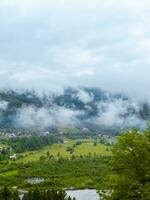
(3, 105)
(49, 45)
(84, 96)
(32, 117)
(116, 113)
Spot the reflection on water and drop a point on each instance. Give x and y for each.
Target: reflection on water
(35, 180)
(83, 194)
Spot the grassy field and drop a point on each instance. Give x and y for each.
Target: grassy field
(60, 168)
(86, 148)
(85, 172)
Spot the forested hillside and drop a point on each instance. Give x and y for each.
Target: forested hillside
(90, 108)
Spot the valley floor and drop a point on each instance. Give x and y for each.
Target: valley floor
(72, 164)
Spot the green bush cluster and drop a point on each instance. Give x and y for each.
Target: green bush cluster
(7, 194)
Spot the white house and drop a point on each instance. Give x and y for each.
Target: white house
(13, 157)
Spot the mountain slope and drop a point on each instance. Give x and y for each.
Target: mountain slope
(89, 108)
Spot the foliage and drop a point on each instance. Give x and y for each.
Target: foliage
(46, 195)
(76, 172)
(128, 174)
(54, 150)
(7, 194)
(21, 144)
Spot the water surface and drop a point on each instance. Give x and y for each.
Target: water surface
(35, 180)
(86, 194)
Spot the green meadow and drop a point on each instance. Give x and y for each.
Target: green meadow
(73, 163)
(60, 150)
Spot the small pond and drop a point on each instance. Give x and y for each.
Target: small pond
(35, 180)
(86, 194)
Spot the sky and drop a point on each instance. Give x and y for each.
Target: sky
(48, 45)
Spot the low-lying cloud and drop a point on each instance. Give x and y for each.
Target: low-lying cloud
(84, 96)
(3, 105)
(32, 117)
(80, 108)
(119, 113)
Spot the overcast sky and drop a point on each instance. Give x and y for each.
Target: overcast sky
(48, 45)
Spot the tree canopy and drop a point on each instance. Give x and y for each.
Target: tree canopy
(7, 194)
(128, 174)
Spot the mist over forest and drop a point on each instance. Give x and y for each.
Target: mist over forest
(91, 108)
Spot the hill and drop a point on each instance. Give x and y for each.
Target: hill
(86, 109)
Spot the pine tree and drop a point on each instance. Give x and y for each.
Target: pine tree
(6, 194)
(15, 195)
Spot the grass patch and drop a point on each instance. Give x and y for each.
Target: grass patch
(85, 148)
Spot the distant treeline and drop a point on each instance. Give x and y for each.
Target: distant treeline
(21, 144)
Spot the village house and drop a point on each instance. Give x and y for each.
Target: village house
(13, 157)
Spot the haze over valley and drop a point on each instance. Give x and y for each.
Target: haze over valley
(91, 108)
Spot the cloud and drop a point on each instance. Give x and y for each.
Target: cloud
(3, 105)
(47, 45)
(42, 118)
(119, 113)
(84, 96)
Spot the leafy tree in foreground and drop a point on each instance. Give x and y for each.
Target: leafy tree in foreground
(128, 174)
